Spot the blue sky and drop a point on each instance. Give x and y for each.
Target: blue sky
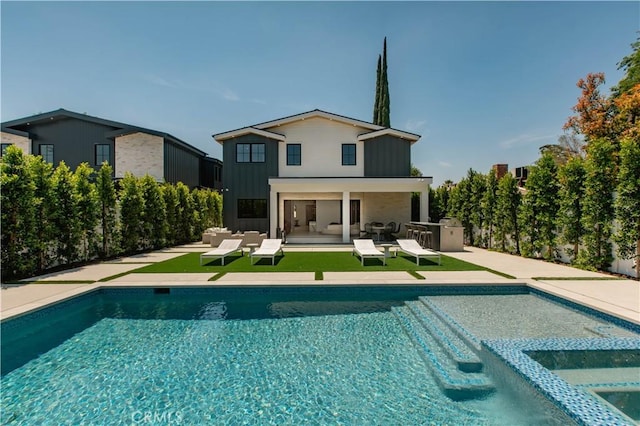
(482, 82)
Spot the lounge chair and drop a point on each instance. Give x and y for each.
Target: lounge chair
(269, 248)
(225, 248)
(366, 248)
(413, 248)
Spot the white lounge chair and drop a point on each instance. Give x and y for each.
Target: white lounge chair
(412, 248)
(269, 248)
(225, 248)
(366, 248)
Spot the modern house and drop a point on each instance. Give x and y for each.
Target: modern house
(76, 138)
(319, 176)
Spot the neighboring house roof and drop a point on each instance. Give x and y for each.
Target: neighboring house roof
(120, 129)
(264, 129)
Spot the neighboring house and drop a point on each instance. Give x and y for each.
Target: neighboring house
(75, 138)
(318, 173)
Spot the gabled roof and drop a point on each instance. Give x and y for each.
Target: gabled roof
(266, 129)
(120, 129)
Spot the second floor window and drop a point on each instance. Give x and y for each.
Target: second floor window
(294, 154)
(103, 153)
(47, 153)
(348, 154)
(250, 153)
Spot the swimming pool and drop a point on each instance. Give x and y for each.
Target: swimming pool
(257, 356)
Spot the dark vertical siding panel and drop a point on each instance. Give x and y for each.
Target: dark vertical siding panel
(211, 173)
(73, 140)
(247, 180)
(181, 165)
(387, 156)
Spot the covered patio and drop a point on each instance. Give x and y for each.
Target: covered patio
(331, 209)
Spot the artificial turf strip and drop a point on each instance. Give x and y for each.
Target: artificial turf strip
(305, 262)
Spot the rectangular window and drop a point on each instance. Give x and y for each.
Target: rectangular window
(348, 154)
(3, 148)
(250, 153)
(103, 153)
(47, 153)
(252, 209)
(294, 154)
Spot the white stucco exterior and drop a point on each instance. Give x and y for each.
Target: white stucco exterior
(321, 142)
(140, 154)
(21, 142)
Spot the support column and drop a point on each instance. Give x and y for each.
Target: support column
(424, 205)
(273, 213)
(346, 216)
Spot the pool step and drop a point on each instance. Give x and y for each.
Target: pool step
(469, 339)
(465, 358)
(455, 384)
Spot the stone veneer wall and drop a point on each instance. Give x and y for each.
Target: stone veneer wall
(386, 207)
(21, 142)
(140, 154)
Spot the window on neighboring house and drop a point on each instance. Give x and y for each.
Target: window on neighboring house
(46, 151)
(3, 148)
(103, 153)
(294, 154)
(250, 153)
(348, 154)
(252, 208)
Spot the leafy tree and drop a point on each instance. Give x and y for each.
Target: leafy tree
(154, 214)
(489, 205)
(217, 201)
(569, 145)
(598, 204)
(594, 111)
(199, 211)
(461, 208)
(87, 210)
(478, 188)
(65, 215)
(170, 196)
(131, 212)
(570, 197)
(107, 206)
(630, 64)
(42, 175)
(627, 204)
(17, 214)
(185, 210)
(507, 207)
(376, 104)
(539, 208)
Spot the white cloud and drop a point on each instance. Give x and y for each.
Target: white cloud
(525, 139)
(159, 81)
(230, 95)
(414, 125)
(445, 164)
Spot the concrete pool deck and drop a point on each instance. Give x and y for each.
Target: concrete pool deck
(620, 298)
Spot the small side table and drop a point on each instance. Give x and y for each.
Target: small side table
(252, 247)
(386, 247)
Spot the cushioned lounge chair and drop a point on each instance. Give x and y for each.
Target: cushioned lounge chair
(412, 248)
(366, 248)
(269, 248)
(225, 248)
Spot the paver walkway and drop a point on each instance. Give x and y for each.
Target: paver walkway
(617, 297)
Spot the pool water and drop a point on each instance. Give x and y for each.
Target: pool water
(322, 357)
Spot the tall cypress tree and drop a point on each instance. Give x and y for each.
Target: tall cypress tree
(385, 112)
(376, 105)
(381, 107)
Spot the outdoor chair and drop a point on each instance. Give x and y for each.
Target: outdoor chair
(412, 248)
(269, 248)
(366, 248)
(217, 238)
(225, 248)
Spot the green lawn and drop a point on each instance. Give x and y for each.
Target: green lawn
(306, 262)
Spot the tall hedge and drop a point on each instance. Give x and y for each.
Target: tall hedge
(52, 217)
